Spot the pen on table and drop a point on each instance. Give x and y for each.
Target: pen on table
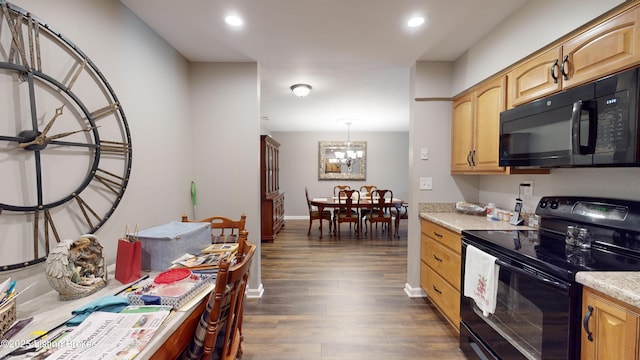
(14, 294)
(134, 284)
(12, 286)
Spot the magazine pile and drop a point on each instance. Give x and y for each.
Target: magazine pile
(102, 335)
(208, 259)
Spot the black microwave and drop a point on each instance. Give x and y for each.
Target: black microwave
(595, 124)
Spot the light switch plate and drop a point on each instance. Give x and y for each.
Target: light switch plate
(424, 154)
(426, 183)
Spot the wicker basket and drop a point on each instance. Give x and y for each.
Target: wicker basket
(7, 317)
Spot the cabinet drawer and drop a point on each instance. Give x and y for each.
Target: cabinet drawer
(444, 296)
(442, 235)
(444, 261)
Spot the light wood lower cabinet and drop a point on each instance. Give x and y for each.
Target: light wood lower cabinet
(440, 269)
(610, 328)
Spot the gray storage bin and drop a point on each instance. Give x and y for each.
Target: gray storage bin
(164, 243)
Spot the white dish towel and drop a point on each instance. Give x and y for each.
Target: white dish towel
(481, 279)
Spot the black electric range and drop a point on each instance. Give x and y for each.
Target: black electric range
(548, 252)
(538, 312)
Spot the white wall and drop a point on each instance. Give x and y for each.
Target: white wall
(226, 146)
(387, 165)
(430, 128)
(151, 82)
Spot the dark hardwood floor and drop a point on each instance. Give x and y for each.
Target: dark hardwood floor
(328, 299)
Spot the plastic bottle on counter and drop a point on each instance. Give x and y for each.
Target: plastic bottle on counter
(491, 209)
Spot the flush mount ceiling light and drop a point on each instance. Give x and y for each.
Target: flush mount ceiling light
(301, 90)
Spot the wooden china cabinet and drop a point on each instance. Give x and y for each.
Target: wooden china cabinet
(271, 199)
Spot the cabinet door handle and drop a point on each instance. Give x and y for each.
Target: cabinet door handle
(553, 71)
(437, 234)
(564, 69)
(585, 322)
(437, 258)
(469, 158)
(473, 158)
(436, 289)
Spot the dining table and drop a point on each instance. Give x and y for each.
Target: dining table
(332, 202)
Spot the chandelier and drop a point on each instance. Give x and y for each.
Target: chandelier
(349, 156)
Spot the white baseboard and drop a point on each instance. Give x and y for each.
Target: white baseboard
(255, 293)
(296, 217)
(414, 292)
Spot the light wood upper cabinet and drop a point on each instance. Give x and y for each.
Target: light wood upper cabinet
(613, 326)
(461, 133)
(534, 79)
(490, 101)
(611, 46)
(475, 128)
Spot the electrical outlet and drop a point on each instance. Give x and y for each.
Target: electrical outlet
(527, 190)
(426, 183)
(424, 154)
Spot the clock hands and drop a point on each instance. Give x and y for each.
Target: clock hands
(40, 139)
(43, 139)
(50, 123)
(58, 136)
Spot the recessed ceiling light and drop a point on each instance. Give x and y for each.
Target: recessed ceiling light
(415, 21)
(233, 20)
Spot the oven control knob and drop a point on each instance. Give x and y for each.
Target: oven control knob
(543, 204)
(554, 205)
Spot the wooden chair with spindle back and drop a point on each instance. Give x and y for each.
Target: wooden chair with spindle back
(219, 332)
(223, 229)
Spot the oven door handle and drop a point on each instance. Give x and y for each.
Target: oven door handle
(556, 284)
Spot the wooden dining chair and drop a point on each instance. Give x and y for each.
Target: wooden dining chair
(365, 191)
(348, 201)
(314, 214)
(223, 229)
(338, 188)
(400, 213)
(336, 194)
(219, 331)
(379, 211)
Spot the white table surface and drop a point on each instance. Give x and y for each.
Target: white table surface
(48, 312)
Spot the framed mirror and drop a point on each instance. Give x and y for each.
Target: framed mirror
(342, 160)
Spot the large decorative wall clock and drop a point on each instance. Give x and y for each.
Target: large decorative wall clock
(65, 146)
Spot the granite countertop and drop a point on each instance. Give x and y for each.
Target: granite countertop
(457, 222)
(624, 286)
